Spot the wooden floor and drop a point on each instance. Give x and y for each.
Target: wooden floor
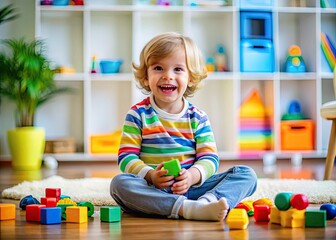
(135, 227)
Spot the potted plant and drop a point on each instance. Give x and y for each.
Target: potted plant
(28, 80)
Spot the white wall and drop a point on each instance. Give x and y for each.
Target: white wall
(23, 26)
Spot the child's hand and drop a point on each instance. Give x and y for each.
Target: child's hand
(158, 178)
(184, 182)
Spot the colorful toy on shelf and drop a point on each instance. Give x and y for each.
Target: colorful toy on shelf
(255, 125)
(330, 210)
(221, 59)
(93, 64)
(210, 64)
(105, 143)
(328, 50)
(110, 66)
(293, 112)
(294, 61)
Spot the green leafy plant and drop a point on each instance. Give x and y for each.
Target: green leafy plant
(7, 13)
(27, 78)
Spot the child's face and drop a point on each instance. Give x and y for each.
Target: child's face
(168, 79)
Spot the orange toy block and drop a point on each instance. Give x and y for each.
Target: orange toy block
(275, 215)
(293, 218)
(77, 214)
(7, 211)
(237, 219)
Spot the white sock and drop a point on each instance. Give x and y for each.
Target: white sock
(213, 211)
(208, 197)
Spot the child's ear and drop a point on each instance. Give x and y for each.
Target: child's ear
(190, 84)
(146, 82)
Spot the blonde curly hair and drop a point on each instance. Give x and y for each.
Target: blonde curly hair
(162, 46)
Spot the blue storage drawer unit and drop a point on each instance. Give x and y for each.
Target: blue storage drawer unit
(256, 55)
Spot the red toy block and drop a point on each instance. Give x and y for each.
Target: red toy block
(49, 201)
(262, 213)
(299, 201)
(53, 193)
(7, 211)
(33, 212)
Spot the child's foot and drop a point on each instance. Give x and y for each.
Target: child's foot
(213, 211)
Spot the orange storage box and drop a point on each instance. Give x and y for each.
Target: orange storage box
(297, 135)
(106, 143)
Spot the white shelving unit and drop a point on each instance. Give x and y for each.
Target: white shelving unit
(119, 29)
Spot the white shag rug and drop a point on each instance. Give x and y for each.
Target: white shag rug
(97, 190)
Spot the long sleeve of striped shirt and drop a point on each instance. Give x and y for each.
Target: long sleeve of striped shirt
(151, 136)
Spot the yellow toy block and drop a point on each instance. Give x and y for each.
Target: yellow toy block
(237, 219)
(293, 218)
(77, 214)
(106, 143)
(275, 215)
(7, 211)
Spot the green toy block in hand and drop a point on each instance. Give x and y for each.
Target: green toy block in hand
(173, 167)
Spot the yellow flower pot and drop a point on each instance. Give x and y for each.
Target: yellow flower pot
(26, 145)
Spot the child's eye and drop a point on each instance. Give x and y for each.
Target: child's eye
(157, 68)
(178, 69)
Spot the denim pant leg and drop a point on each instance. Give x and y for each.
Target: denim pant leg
(134, 195)
(235, 184)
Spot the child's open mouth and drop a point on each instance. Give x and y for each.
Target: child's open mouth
(168, 88)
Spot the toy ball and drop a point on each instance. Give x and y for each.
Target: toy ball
(50, 162)
(28, 200)
(282, 200)
(330, 210)
(299, 201)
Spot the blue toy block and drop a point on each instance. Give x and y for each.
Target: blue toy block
(51, 215)
(110, 214)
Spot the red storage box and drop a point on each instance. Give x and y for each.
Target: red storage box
(297, 135)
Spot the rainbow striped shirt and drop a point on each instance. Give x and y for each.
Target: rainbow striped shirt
(151, 136)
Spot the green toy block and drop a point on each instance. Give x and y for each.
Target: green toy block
(173, 167)
(110, 214)
(63, 208)
(315, 218)
(282, 200)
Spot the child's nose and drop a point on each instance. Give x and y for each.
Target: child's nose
(168, 74)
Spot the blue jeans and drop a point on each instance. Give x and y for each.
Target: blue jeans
(133, 194)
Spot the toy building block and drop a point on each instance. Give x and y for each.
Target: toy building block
(173, 167)
(315, 218)
(275, 215)
(67, 201)
(110, 214)
(330, 210)
(63, 209)
(293, 218)
(49, 201)
(75, 214)
(299, 201)
(261, 213)
(89, 206)
(33, 212)
(7, 211)
(237, 219)
(53, 193)
(263, 201)
(248, 206)
(282, 200)
(51, 215)
(64, 196)
(28, 200)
